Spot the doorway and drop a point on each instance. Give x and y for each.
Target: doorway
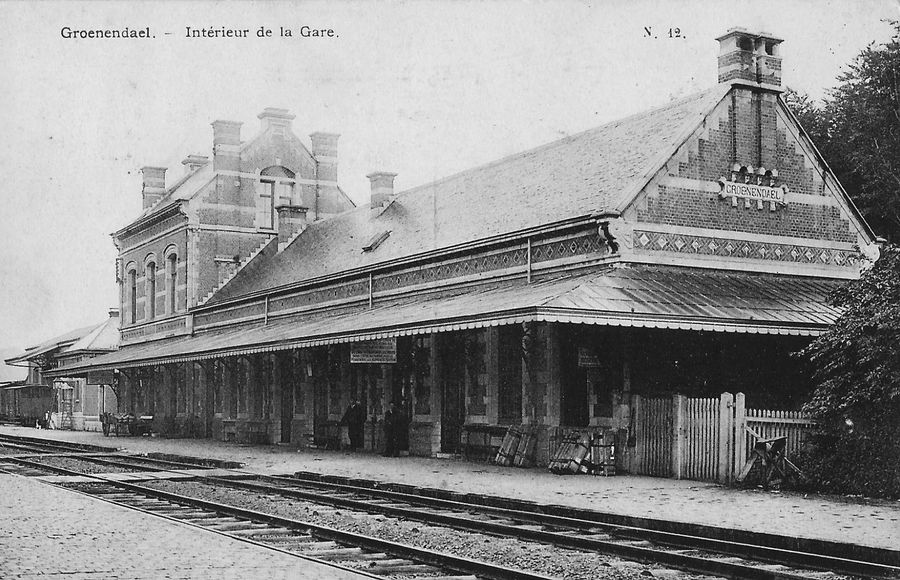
(453, 391)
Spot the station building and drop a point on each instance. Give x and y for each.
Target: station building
(60, 401)
(687, 249)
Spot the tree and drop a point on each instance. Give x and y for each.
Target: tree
(856, 367)
(857, 129)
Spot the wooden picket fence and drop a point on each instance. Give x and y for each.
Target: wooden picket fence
(765, 424)
(705, 439)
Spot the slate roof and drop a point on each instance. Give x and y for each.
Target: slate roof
(105, 336)
(52, 344)
(633, 296)
(569, 178)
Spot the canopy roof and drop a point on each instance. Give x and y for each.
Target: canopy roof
(637, 296)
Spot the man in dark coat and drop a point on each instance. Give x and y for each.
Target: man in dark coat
(355, 419)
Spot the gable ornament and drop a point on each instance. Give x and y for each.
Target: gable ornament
(753, 187)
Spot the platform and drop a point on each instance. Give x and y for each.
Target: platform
(860, 521)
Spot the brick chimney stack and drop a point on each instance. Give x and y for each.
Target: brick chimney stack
(291, 220)
(382, 188)
(324, 151)
(226, 145)
(275, 118)
(154, 187)
(750, 57)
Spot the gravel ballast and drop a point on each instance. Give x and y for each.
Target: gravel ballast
(530, 556)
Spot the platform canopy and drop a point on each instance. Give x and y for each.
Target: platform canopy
(630, 296)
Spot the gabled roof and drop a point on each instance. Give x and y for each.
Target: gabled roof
(569, 178)
(49, 345)
(104, 337)
(185, 188)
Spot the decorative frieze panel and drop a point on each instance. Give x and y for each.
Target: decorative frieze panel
(585, 244)
(720, 246)
(581, 244)
(231, 314)
(162, 328)
(353, 289)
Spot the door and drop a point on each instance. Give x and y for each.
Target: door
(574, 407)
(453, 392)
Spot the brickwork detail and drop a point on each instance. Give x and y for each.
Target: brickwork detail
(152, 231)
(712, 156)
(684, 207)
(685, 244)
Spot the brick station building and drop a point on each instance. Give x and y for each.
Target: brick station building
(687, 249)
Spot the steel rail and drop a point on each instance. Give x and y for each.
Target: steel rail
(534, 514)
(676, 559)
(883, 562)
(429, 557)
(53, 444)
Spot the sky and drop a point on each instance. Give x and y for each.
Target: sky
(423, 89)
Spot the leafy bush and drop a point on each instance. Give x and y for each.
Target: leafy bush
(856, 371)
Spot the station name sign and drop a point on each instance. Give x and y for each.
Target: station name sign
(374, 351)
(750, 192)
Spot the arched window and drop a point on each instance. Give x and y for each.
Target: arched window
(151, 290)
(171, 282)
(276, 187)
(132, 294)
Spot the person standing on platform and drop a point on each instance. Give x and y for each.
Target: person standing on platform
(355, 420)
(390, 431)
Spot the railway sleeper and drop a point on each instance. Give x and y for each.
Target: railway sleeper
(418, 569)
(339, 553)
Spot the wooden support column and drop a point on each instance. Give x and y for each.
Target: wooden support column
(678, 435)
(492, 362)
(554, 367)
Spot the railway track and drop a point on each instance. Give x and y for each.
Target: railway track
(366, 555)
(694, 550)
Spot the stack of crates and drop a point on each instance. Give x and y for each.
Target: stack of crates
(507, 453)
(525, 451)
(603, 453)
(573, 455)
(517, 447)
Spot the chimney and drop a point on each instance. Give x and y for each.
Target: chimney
(194, 162)
(226, 145)
(275, 118)
(749, 57)
(113, 312)
(154, 185)
(382, 189)
(291, 221)
(324, 151)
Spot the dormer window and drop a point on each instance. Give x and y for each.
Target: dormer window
(276, 187)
